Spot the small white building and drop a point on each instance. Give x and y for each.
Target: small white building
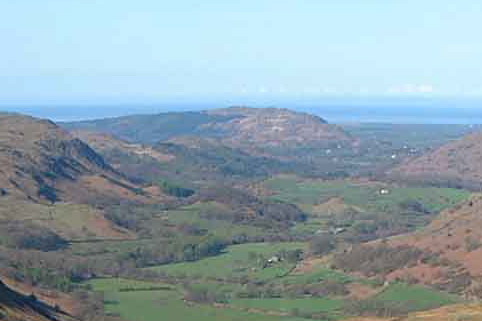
(384, 191)
(274, 259)
(337, 230)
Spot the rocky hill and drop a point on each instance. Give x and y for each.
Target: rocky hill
(272, 126)
(236, 125)
(41, 161)
(458, 163)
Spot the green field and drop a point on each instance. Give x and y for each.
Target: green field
(366, 196)
(119, 284)
(145, 301)
(134, 301)
(106, 247)
(330, 307)
(245, 260)
(360, 207)
(221, 228)
(418, 297)
(166, 305)
(320, 275)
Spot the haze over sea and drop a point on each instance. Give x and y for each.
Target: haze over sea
(395, 111)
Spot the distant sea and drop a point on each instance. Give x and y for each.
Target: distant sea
(334, 111)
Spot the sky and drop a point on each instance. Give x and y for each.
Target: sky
(86, 51)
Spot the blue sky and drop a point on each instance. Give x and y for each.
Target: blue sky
(57, 51)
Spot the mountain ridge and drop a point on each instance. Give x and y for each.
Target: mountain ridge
(234, 124)
(42, 162)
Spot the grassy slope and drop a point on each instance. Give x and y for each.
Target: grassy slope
(418, 297)
(71, 221)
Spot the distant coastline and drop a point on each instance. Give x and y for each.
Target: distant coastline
(394, 112)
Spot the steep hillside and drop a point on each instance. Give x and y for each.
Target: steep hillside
(17, 307)
(454, 235)
(40, 161)
(237, 125)
(458, 163)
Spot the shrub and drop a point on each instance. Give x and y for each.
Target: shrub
(322, 244)
(29, 236)
(378, 308)
(472, 244)
(204, 295)
(381, 259)
(175, 190)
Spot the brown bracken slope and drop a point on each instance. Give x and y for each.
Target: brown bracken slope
(455, 238)
(17, 307)
(458, 163)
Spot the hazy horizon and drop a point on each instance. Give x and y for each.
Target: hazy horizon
(346, 61)
(335, 110)
(60, 52)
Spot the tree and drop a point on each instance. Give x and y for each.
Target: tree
(322, 244)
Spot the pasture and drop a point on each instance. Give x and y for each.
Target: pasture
(363, 195)
(245, 260)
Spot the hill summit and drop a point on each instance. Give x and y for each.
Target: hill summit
(274, 126)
